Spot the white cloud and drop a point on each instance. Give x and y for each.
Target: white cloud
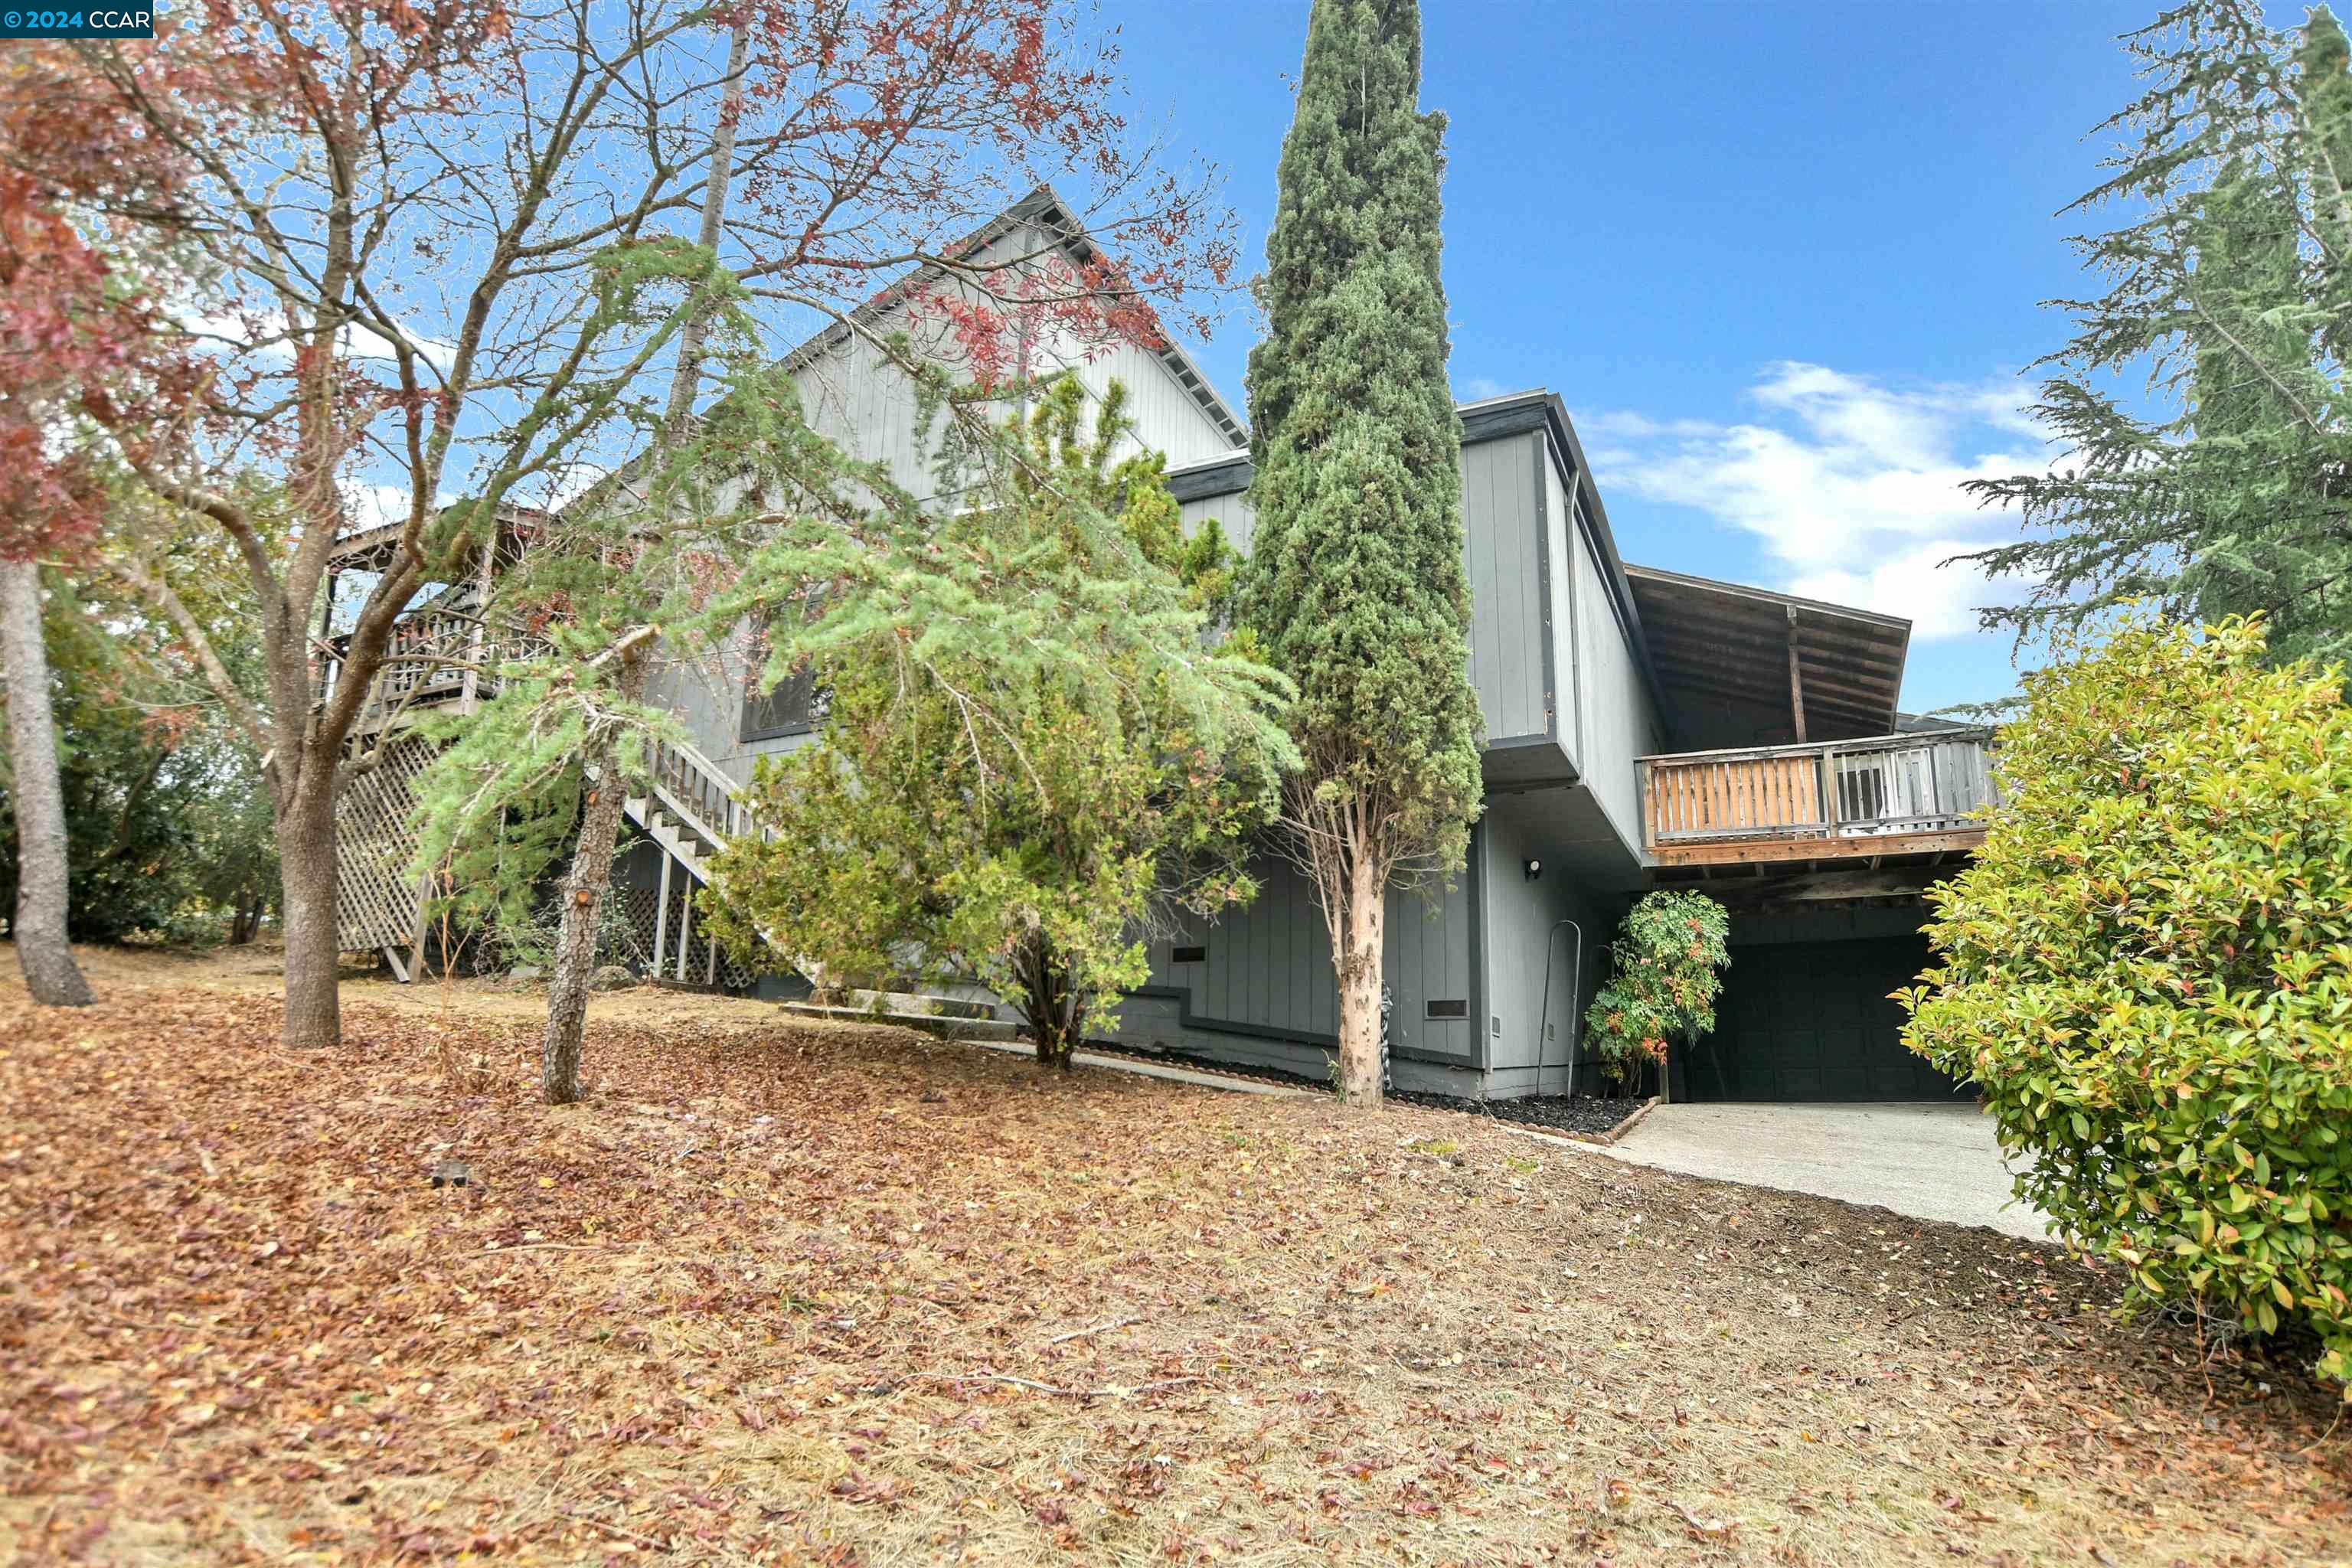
(373, 506)
(265, 334)
(1479, 388)
(1852, 485)
(364, 342)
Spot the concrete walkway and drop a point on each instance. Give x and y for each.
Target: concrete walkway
(1930, 1161)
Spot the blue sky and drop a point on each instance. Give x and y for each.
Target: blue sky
(1783, 261)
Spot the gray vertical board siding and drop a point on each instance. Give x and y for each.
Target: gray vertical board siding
(1234, 513)
(1515, 555)
(1266, 974)
(1502, 555)
(1429, 954)
(855, 396)
(1522, 937)
(1166, 419)
(708, 697)
(1620, 720)
(1265, 970)
(1564, 554)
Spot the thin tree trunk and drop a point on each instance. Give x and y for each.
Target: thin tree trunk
(584, 902)
(42, 890)
(688, 374)
(1359, 983)
(306, 855)
(1052, 1009)
(600, 829)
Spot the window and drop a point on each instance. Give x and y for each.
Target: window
(795, 707)
(1188, 955)
(798, 704)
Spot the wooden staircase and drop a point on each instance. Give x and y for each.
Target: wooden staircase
(689, 808)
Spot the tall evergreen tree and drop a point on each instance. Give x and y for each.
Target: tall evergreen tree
(1355, 588)
(2232, 285)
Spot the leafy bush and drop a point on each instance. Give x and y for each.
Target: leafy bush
(2147, 970)
(1663, 982)
(963, 817)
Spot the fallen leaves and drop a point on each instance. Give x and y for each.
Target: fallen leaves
(734, 1310)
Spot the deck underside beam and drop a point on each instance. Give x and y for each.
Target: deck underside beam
(1793, 848)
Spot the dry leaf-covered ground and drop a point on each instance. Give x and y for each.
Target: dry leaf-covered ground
(783, 1293)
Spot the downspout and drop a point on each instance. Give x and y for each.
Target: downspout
(1575, 989)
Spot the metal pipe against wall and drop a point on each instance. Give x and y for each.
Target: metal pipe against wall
(1575, 990)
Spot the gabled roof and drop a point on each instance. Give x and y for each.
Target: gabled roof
(1042, 208)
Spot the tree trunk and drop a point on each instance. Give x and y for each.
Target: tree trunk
(42, 892)
(1359, 983)
(600, 828)
(583, 903)
(306, 855)
(1052, 1009)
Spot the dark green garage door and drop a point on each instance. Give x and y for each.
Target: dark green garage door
(1800, 1021)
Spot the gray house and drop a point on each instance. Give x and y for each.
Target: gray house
(1646, 728)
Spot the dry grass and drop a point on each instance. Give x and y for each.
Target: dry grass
(786, 1293)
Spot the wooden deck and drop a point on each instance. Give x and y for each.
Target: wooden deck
(438, 656)
(1829, 800)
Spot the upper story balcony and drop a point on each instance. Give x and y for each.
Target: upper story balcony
(1876, 795)
(442, 649)
(441, 654)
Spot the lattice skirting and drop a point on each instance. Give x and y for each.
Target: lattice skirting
(376, 897)
(633, 919)
(377, 902)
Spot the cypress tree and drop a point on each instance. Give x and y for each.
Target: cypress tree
(1355, 587)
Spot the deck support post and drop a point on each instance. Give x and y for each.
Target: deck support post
(424, 925)
(1796, 679)
(685, 930)
(661, 912)
(661, 916)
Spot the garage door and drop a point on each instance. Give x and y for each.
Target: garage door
(1811, 1021)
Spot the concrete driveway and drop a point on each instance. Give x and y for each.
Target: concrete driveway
(1930, 1161)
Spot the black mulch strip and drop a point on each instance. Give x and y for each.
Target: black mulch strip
(1555, 1111)
(1584, 1114)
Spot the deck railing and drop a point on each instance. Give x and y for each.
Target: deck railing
(434, 657)
(697, 790)
(1881, 786)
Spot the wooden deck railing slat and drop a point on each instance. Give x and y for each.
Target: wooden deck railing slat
(1869, 788)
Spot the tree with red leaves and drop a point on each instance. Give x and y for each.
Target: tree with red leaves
(444, 250)
(81, 351)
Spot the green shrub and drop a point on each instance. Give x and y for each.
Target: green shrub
(2147, 970)
(1663, 981)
